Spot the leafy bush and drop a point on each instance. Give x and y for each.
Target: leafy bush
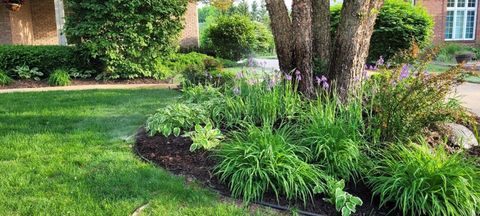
(4, 79)
(264, 43)
(175, 118)
(45, 58)
(25, 72)
(332, 132)
(126, 36)
(402, 102)
(399, 23)
(59, 78)
(259, 160)
(200, 93)
(205, 137)
(422, 181)
(231, 37)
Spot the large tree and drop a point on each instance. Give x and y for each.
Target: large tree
(304, 35)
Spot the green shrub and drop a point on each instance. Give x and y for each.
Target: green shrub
(59, 78)
(261, 160)
(264, 43)
(424, 181)
(126, 36)
(231, 37)
(175, 118)
(447, 52)
(332, 132)
(398, 25)
(402, 102)
(25, 72)
(205, 137)
(4, 79)
(45, 58)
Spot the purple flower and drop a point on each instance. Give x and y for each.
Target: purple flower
(319, 81)
(239, 75)
(366, 66)
(324, 79)
(288, 77)
(370, 67)
(325, 85)
(405, 72)
(251, 62)
(298, 77)
(297, 72)
(236, 91)
(380, 61)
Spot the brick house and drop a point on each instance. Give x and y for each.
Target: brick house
(39, 22)
(455, 20)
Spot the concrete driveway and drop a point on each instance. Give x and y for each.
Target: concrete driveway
(468, 92)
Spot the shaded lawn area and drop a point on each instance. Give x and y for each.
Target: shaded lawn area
(70, 153)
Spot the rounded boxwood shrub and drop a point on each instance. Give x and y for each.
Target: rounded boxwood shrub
(424, 181)
(231, 37)
(127, 36)
(59, 78)
(398, 26)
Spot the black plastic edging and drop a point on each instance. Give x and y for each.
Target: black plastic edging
(269, 205)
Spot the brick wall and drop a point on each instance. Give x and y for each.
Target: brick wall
(190, 35)
(44, 23)
(5, 30)
(21, 25)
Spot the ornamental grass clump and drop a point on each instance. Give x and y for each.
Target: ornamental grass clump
(59, 78)
(424, 181)
(260, 160)
(263, 100)
(4, 79)
(333, 133)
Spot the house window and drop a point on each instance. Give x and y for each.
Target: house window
(460, 21)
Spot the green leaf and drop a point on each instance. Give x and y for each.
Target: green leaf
(176, 131)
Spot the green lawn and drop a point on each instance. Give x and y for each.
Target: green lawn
(70, 153)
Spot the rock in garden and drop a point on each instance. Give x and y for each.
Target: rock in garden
(459, 135)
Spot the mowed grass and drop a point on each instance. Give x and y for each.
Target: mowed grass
(70, 153)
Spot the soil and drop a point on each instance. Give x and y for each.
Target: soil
(173, 154)
(39, 84)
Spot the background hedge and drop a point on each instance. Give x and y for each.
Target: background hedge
(45, 58)
(399, 23)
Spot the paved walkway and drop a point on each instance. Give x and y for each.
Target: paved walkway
(90, 87)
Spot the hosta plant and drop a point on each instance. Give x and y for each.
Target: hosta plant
(25, 72)
(424, 181)
(205, 137)
(175, 118)
(344, 202)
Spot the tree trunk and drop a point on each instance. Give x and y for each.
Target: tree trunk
(321, 34)
(282, 32)
(303, 50)
(352, 42)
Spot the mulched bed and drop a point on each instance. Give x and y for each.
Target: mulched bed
(173, 154)
(39, 84)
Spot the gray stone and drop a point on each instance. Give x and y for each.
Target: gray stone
(459, 135)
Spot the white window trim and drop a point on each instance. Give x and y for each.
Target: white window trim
(466, 9)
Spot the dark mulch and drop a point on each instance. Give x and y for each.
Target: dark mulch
(173, 154)
(43, 83)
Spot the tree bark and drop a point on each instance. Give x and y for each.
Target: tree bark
(321, 34)
(352, 42)
(303, 47)
(282, 32)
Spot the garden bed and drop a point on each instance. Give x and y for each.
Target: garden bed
(173, 154)
(40, 84)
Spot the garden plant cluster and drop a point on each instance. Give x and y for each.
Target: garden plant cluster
(266, 138)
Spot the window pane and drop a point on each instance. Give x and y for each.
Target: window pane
(449, 26)
(459, 24)
(471, 3)
(451, 3)
(470, 24)
(461, 3)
